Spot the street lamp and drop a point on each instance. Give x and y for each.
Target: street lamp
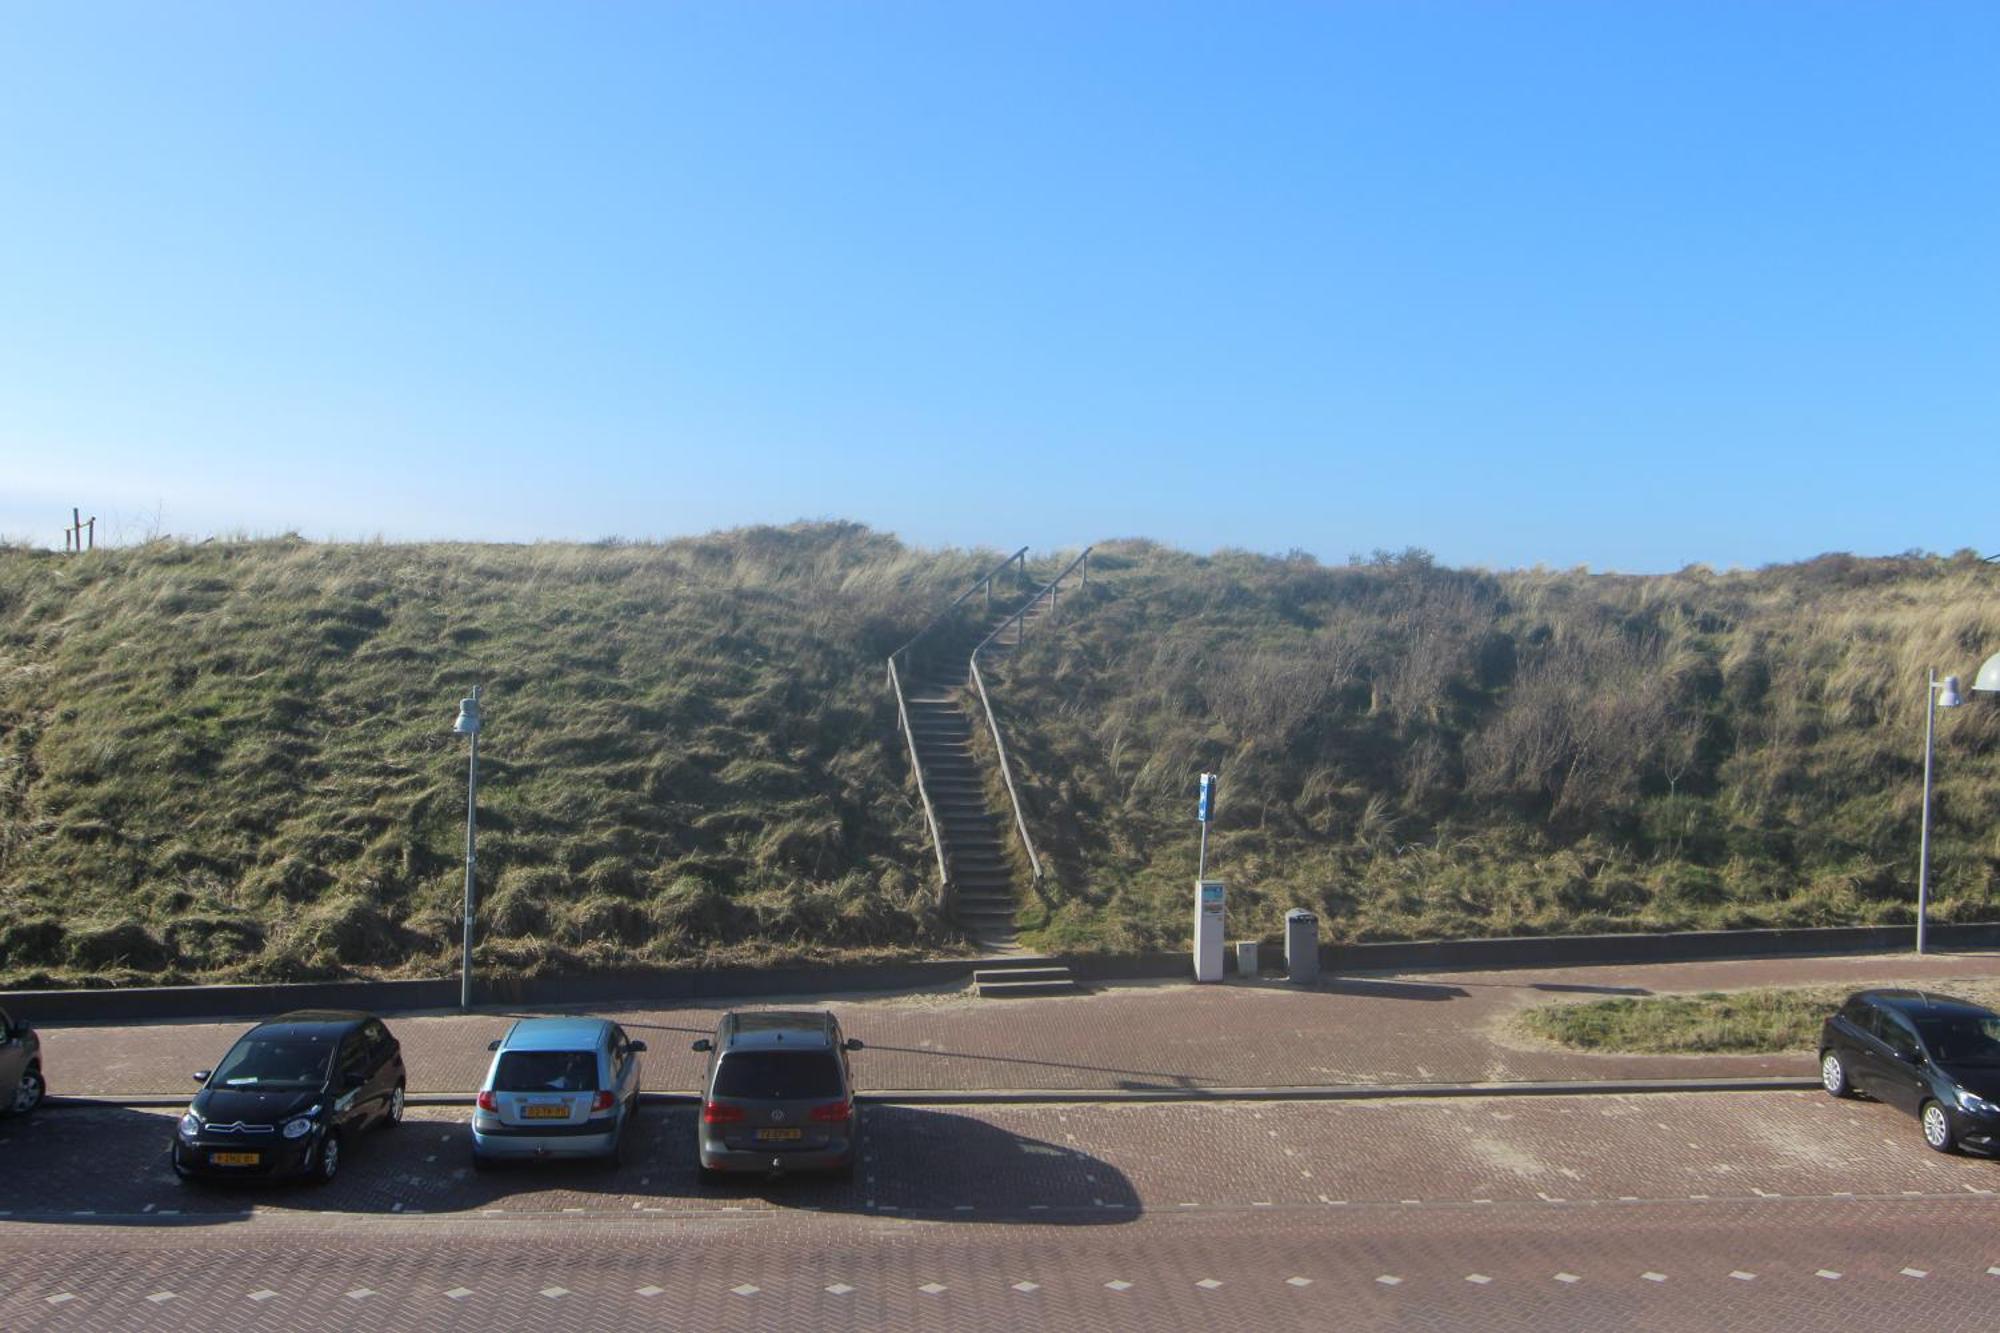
(1937, 694)
(468, 725)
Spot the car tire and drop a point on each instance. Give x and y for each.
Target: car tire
(1833, 1075)
(1937, 1128)
(392, 1115)
(28, 1093)
(326, 1166)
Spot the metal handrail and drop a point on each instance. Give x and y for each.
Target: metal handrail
(993, 724)
(985, 581)
(923, 793)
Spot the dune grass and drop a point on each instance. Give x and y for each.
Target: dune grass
(1766, 1021)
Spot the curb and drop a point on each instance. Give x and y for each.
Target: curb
(1358, 1092)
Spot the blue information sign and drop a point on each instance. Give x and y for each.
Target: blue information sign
(1207, 808)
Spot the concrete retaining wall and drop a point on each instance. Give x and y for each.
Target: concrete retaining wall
(130, 1004)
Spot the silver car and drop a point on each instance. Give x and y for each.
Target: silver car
(21, 1083)
(558, 1087)
(778, 1096)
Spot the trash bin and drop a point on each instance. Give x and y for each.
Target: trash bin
(1301, 946)
(1246, 959)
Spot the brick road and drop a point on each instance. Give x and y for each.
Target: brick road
(1733, 1210)
(1431, 1027)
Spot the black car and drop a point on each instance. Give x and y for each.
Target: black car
(289, 1095)
(1934, 1056)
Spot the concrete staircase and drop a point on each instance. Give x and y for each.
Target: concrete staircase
(1023, 977)
(985, 895)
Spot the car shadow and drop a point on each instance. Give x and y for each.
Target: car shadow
(109, 1166)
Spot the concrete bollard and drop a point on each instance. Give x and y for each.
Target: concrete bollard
(1246, 959)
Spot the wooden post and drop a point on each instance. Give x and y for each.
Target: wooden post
(93, 532)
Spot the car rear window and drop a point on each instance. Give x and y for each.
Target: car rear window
(546, 1071)
(778, 1075)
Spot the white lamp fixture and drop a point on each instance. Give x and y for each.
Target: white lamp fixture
(467, 725)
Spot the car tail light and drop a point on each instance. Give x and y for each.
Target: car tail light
(603, 1101)
(831, 1112)
(488, 1102)
(720, 1113)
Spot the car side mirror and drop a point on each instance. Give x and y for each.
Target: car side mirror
(202, 1075)
(704, 1044)
(852, 1044)
(635, 1048)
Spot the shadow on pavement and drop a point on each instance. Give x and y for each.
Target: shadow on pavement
(108, 1166)
(1590, 990)
(1393, 990)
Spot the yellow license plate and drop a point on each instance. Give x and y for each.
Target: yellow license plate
(235, 1158)
(544, 1112)
(769, 1134)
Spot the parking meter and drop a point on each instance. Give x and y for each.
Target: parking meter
(1208, 902)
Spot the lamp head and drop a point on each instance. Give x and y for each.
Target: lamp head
(1948, 695)
(468, 716)
(1988, 679)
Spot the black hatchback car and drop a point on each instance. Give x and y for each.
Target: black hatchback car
(289, 1096)
(1936, 1057)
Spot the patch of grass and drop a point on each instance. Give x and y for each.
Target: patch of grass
(1766, 1021)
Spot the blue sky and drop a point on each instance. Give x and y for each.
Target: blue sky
(1616, 284)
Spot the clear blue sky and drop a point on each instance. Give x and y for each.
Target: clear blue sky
(1618, 284)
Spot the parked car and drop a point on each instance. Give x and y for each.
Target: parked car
(20, 1066)
(558, 1087)
(777, 1096)
(1936, 1057)
(290, 1095)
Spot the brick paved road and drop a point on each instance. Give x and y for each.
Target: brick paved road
(1409, 1028)
(1696, 1211)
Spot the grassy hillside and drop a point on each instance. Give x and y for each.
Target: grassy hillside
(1423, 752)
(234, 759)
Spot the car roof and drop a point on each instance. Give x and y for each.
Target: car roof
(312, 1023)
(556, 1034)
(775, 1029)
(1924, 1004)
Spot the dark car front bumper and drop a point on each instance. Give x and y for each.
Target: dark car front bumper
(278, 1157)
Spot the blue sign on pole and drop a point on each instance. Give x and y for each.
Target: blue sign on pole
(1207, 809)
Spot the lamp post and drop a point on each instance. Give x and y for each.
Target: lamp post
(1937, 694)
(468, 725)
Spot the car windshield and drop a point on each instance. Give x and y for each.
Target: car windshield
(778, 1075)
(276, 1062)
(546, 1071)
(1964, 1040)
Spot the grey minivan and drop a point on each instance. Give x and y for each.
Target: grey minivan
(778, 1096)
(558, 1087)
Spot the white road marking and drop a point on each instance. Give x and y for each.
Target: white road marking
(1119, 1284)
(1026, 1287)
(555, 1293)
(1742, 1276)
(261, 1296)
(933, 1288)
(1568, 1279)
(161, 1297)
(458, 1293)
(746, 1290)
(1915, 1272)
(60, 1297)
(1298, 1282)
(1654, 1277)
(651, 1291)
(1208, 1284)
(1389, 1280)
(1477, 1279)
(359, 1294)
(838, 1289)
(1828, 1274)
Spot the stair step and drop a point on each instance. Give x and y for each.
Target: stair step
(1006, 990)
(1044, 972)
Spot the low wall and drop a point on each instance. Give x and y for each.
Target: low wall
(679, 985)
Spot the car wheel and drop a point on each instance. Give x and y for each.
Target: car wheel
(327, 1166)
(1937, 1128)
(1833, 1076)
(394, 1115)
(28, 1092)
